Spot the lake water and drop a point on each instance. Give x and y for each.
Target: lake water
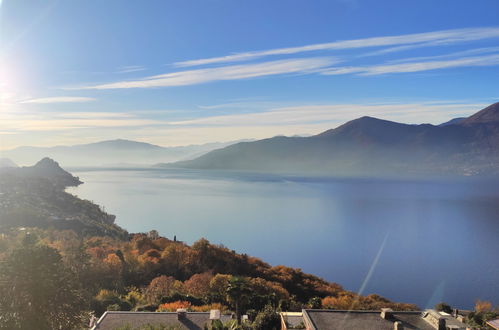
(412, 241)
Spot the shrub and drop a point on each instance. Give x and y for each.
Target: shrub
(267, 319)
(173, 306)
(443, 307)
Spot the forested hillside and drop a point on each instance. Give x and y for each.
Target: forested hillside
(151, 273)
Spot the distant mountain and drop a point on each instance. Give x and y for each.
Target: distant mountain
(35, 196)
(489, 115)
(44, 169)
(6, 162)
(370, 147)
(453, 121)
(111, 153)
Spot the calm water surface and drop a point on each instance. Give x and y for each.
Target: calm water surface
(411, 241)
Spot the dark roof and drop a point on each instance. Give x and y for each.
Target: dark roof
(494, 323)
(192, 321)
(292, 319)
(360, 320)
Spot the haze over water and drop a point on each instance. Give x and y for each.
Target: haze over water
(413, 241)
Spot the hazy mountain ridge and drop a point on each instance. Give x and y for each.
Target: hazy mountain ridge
(35, 196)
(45, 169)
(370, 146)
(111, 152)
(6, 162)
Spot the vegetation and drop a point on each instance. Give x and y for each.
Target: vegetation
(443, 307)
(150, 273)
(63, 259)
(35, 201)
(478, 317)
(482, 313)
(38, 291)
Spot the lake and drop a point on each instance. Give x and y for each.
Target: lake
(411, 241)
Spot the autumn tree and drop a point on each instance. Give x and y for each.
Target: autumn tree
(37, 291)
(199, 284)
(483, 306)
(174, 260)
(218, 287)
(162, 286)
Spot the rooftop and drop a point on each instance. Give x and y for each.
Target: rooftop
(318, 319)
(192, 320)
(494, 323)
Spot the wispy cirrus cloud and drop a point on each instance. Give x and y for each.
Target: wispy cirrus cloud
(324, 64)
(60, 99)
(232, 72)
(130, 68)
(443, 37)
(463, 53)
(328, 115)
(53, 121)
(488, 60)
(301, 119)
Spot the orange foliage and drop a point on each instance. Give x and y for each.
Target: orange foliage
(113, 262)
(262, 287)
(349, 301)
(97, 252)
(173, 306)
(199, 284)
(207, 308)
(483, 306)
(160, 286)
(342, 302)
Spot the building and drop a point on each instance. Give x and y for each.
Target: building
(494, 324)
(180, 319)
(320, 319)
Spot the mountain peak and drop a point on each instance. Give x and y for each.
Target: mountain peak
(487, 115)
(122, 144)
(362, 125)
(367, 120)
(47, 163)
(49, 168)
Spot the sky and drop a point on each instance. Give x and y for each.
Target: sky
(180, 72)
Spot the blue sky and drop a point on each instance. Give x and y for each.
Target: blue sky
(190, 72)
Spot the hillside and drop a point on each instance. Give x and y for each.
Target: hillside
(110, 153)
(6, 162)
(370, 147)
(35, 197)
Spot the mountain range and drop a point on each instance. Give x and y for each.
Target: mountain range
(110, 153)
(370, 147)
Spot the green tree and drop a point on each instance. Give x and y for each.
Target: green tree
(37, 291)
(315, 303)
(238, 293)
(267, 319)
(443, 307)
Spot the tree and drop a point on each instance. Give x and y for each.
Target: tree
(267, 319)
(218, 287)
(483, 306)
(37, 291)
(238, 293)
(161, 286)
(199, 284)
(443, 307)
(315, 303)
